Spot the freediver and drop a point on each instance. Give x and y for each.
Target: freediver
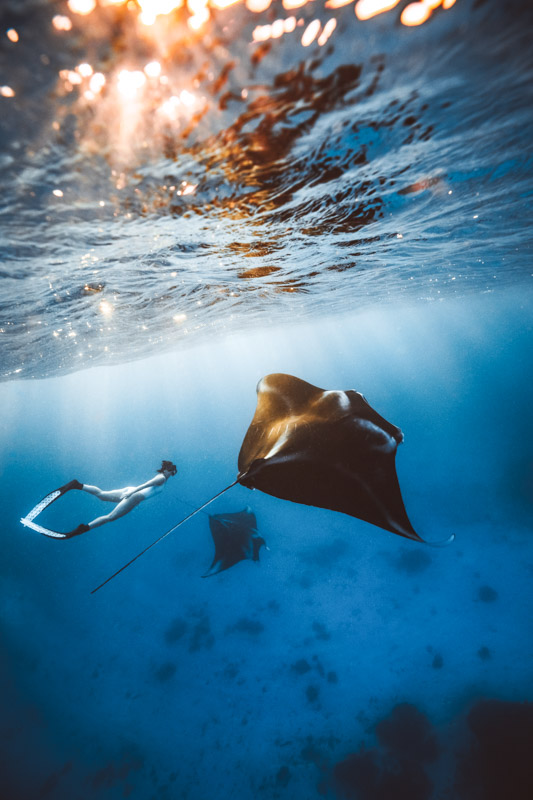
(126, 499)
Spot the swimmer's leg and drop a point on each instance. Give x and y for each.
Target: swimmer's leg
(113, 496)
(124, 507)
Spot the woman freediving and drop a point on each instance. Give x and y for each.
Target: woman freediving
(126, 499)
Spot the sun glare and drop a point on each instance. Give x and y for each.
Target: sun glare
(106, 308)
(82, 7)
(153, 69)
(130, 81)
(311, 32)
(62, 23)
(139, 97)
(365, 9)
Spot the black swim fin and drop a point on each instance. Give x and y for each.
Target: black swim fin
(74, 484)
(83, 528)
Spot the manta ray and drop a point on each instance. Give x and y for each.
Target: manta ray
(324, 448)
(236, 538)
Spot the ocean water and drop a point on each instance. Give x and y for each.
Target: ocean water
(355, 213)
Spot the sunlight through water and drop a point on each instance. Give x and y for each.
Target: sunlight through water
(244, 162)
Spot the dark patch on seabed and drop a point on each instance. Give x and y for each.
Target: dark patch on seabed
(118, 773)
(50, 784)
(411, 561)
(176, 630)
(487, 594)
(487, 756)
(165, 671)
(253, 627)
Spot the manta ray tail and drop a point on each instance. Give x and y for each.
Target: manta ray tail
(170, 530)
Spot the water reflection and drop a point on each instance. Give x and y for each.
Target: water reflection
(351, 162)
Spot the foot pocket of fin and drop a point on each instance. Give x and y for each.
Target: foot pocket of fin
(83, 528)
(74, 484)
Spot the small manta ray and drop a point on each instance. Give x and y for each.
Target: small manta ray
(236, 538)
(324, 448)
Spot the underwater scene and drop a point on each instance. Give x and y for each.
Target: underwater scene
(266, 325)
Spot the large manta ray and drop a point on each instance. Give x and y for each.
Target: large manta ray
(321, 448)
(324, 448)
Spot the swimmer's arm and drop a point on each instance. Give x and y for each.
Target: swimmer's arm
(157, 480)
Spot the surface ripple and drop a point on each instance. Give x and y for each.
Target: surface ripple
(389, 164)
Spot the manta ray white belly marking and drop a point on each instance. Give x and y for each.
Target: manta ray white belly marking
(279, 443)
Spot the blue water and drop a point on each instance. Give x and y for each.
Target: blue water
(258, 681)
(360, 220)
